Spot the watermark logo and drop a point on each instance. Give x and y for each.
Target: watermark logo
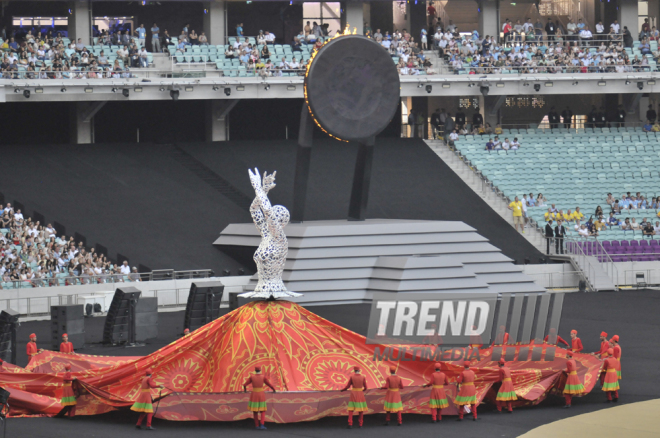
(464, 319)
(449, 319)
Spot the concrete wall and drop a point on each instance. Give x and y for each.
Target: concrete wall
(36, 302)
(627, 271)
(553, 275)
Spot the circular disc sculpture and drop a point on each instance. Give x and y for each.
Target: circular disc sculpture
(352, 88)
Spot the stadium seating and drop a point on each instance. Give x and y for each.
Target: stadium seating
(577, 168)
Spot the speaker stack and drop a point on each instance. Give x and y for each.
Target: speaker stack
(119, 322)
(146, 319)
(69, 319)
(203, 304)
(130, 319)
(8, 329)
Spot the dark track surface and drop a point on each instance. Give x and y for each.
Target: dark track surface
(631, 314)
(148, 203)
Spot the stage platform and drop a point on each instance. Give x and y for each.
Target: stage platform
(345, 261)
(630, 314)
(162, 205)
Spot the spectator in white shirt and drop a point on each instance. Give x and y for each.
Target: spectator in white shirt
(583, 231)
(18, 215)
(144, 57)
(616, 27)
(506, 145)
(125, 269)
(586, 36)
(577, 225)
(514, 144)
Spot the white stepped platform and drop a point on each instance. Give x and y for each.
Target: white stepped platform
(347, 261)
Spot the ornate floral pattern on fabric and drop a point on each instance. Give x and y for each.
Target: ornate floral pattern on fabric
(297, 350)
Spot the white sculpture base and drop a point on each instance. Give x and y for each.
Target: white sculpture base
(266, 295)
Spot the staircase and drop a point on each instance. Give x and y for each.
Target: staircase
(474, 181)
(162, 62)
(593, 272)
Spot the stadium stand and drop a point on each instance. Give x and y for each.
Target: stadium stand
(58, 57)
(593, 163)
(33, 255)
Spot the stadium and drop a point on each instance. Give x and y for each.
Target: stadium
(309, 217)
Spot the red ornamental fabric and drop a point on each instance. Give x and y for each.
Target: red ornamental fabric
(305, 356)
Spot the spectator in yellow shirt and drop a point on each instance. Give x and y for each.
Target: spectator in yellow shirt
(498, 129)
(561, 216)
(550, 215)
(577, 214)
(516, 207)
(568, 217)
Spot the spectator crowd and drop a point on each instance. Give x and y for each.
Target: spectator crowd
(600, 220)
(44, 56)
(33, 255)
(544, 47)
(405, 51)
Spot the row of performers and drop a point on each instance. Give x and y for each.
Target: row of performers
(466, 398)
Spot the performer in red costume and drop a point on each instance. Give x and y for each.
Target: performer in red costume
(66, 346)
(257, 401)
(393, 403)
(617, 353)
(68, 401)
(573, 385)
(467, 393)
(506, 394)
(611, 381)
(31, 348)
(438, 398)
(560, 340)
(186, 332)
(576, 343)
(357, 402)
(604, 345)
(144, 402)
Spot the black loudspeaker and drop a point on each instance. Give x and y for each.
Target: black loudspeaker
(8, 329)
(146, 319)
(120, 321)
(69, 319)
(233, 300)
(203, 304)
